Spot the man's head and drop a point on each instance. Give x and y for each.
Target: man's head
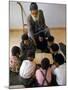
(50, 40)
(25, 39)
(54, 48)
(34, 9)
(58, 60)
(30, 55)
(45, 63)
(15, 51)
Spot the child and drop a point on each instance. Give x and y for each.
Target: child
(42, 43)
(26, 45)
(54, 49)
(36, 23)
(62, 46)
(43, 75)
(60, 70)
(50, 41)
(14, 59)
(27, 69)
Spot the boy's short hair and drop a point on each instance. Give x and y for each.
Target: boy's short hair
(54, 47)
(59, 59)
(50, 38)
(45, 63)
(33, 6)
(15, 50)
(24, 37)
(31, 53)
(42, 35)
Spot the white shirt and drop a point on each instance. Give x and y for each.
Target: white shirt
(60, 73)
(27, 69)
(34, 18)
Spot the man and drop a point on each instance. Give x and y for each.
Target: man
(36, 23)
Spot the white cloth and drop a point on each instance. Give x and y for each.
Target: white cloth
(27, 69)
(60, 73)
(34, 18)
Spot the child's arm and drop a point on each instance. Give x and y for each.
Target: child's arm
(37, 67)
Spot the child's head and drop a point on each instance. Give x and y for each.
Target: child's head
(50, 40)
(25, 39)
(34, 9)
(41, 37)
(54, 48)
(30, 55)
(15, 51)
(59, 60)
(45, 63)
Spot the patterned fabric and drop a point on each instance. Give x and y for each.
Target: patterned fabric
(14, 64)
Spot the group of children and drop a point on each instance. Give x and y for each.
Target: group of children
(21, 61)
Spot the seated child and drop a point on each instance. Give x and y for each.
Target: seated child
(62, 46)
(42, 43)
(27, 69)
(60, 70)
(14, 59)
(43, 74)
(50, 41)
(26, 45)
(54, 49)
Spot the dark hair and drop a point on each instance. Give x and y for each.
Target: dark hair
(54, 47)
(50, 38)
(59, 59)
(15, 50)
(42, 35)
(31, 53)
(33, 6)
(45, 63)
(24, 37)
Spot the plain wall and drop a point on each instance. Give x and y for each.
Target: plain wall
(55, 14)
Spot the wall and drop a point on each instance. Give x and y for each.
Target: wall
(55, 14)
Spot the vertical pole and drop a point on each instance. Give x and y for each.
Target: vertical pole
(21, 14)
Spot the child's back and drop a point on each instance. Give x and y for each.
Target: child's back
(44, 75)
(27, 69)
(60, 70)
(40, 76)
(60, 73)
